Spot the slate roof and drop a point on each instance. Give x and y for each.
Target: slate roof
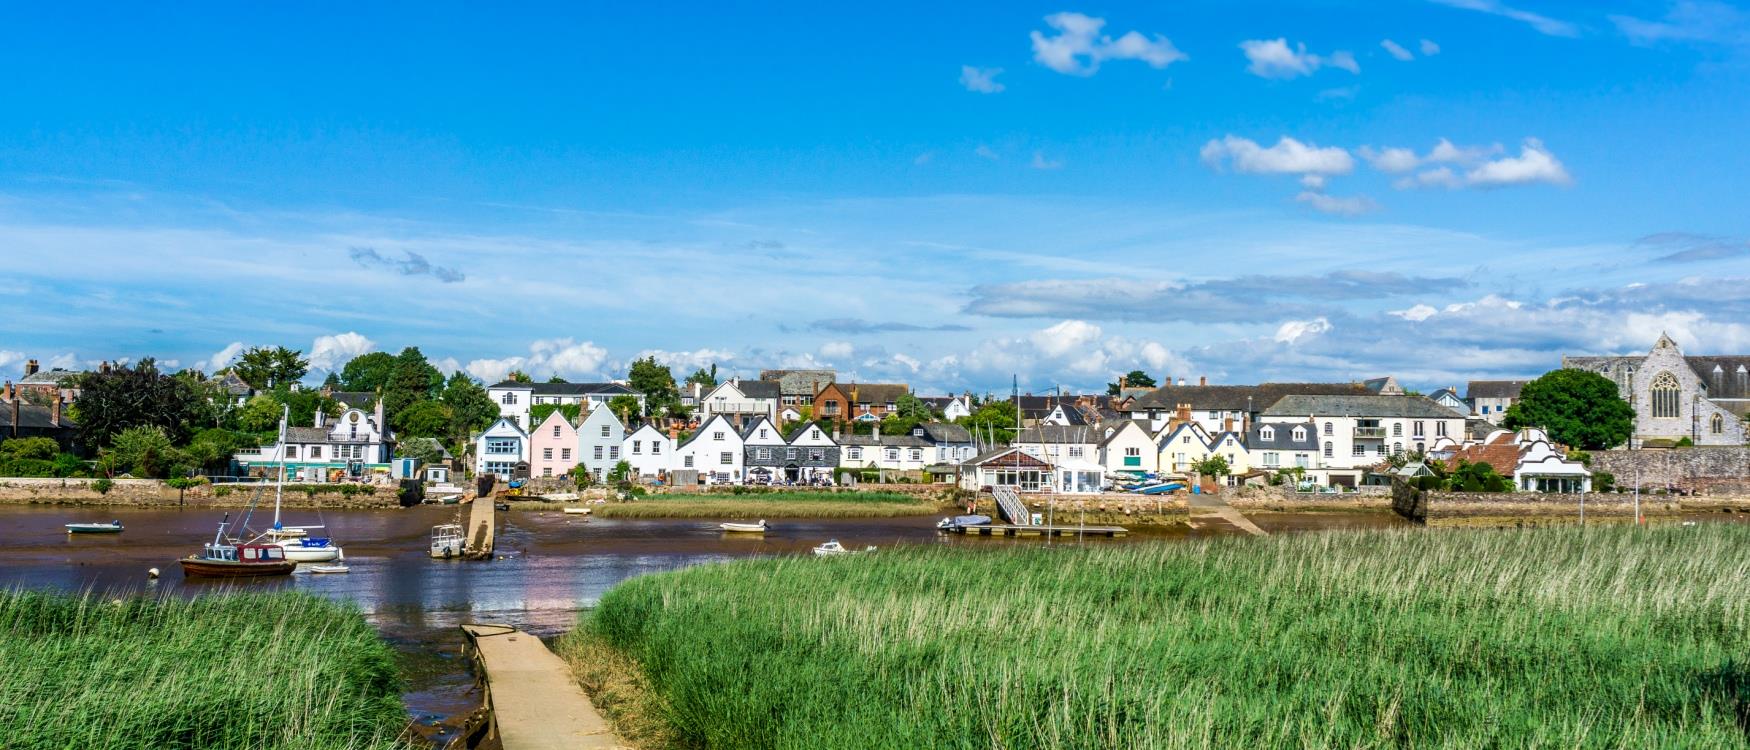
(799, 382)
(759, 388)
(567, 389)
(1493, 388)
(1072, 414)
(1728, 385)
(1118, 429)
(1234, 397)
(354, 399)
(1008, 457)
(887, 441)
(306, 434)
(1358, 406)
(1284, 437)
(49, 377)
(233, 384)
(32, 416)
(1054, 433)
(796, 432)
(946, 432)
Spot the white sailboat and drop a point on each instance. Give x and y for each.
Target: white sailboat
(299, 546)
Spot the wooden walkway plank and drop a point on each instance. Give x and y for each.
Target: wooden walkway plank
(534, 698)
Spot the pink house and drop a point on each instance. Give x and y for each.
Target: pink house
(552, 446)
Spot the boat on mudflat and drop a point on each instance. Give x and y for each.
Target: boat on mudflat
(744, 528)
(832, 548)
(950, 524)
(113, 527)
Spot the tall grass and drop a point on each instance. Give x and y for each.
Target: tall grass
(222, 671)
(1570, 638)
(772, 505)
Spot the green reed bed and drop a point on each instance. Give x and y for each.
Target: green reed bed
(1559, 638)
(771, 505)
(220, 671)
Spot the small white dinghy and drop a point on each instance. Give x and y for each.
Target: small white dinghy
(577, 511)
(833, 549)
(335, 568)
(113, 527)
(744, 528)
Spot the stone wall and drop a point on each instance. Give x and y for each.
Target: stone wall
(1709, 470)
(153, 492)
(1428, 506)
(1263, 497)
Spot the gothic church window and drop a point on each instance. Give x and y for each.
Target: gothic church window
(1719, 424)
(1667, 396)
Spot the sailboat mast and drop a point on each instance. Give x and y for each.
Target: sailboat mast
(280, 482)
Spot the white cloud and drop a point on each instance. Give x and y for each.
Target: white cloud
(1291, 332)
(1071, 350)
(9, 358)
(909, 362)
(1543, 24)
(1437, 177)
(1689, 21)
(986, 152)
(1078, 47)
(567, 358)
(1288, 156)
(685, 362)
(1429, 48)
(1312, 181)
(329, 353)
(1273, 58)
(1416, 313)
(1353, 205)
(981, 80)
(1533, 164)
(1393, 160)
(492, 371)
(1040, 162)
(223, 358)
(1397, 50)
(837, 349)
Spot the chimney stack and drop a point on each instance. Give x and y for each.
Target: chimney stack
(14, 410)
(55, 412)
(1203, 380)
(1227, 424)
(1181, 381)
(7, 392)
(1184, 413)
(30, 368)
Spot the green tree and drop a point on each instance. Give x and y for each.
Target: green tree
(260, 414)
(518, 376)
(1214, 465)
(1132, 379)
(367, 372)
(137, 396)
(707, 379)
(620, 472)
(557, 379)
(414, 380)
(424, 419)
(470, 407)
(912, 408)
(1477, 477)
(1578, 408)
(332, 382)
(304, 404)
(29, 449)
(625, 407)
(992, 418)
(211, 450)
(651, 378)
(424, 449)
(539, 412)
(144, 451)
(265, 367)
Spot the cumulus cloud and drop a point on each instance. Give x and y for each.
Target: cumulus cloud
(1543, 24)
(981, 80)
(565, 357)
(837, 349)
(1077, 47)
(1293, 331)
(1398, 160)
(685, 362)
(328, 353)
(1397, 50)
(1273, 58)
(413, 264)
(1351, 205)
(223, 358)
(1534, 164)
(1071, 352)
(1288, 156)
(1479, 168)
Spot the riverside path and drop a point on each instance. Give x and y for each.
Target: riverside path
(535, 701)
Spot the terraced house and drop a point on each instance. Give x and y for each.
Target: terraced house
(515, 399)
(1355, 433)
(807, 453)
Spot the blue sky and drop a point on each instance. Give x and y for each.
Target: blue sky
(943, 196)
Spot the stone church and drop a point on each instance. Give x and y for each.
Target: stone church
(1674, 396)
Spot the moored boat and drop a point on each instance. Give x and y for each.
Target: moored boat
(744, 528)
(113, 527)
(950, 524)
(335, 568)
(446, 540)
(220, 559)
(309, 549)
(577, 511)
(832, 548)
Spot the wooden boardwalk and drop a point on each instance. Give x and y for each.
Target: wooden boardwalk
(482, 529)
(535, 701)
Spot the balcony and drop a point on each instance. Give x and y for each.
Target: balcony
(1369, 433)
(737, 407)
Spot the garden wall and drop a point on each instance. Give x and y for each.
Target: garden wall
(153, 492)
(1429, 506)
(1719, 471)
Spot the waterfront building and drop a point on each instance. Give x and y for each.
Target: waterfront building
(515, 399)
(353, 445)
(600, 437)
(714, 451)
(1703, 398)
(553, 446)
(650, 451)
(502, 449)
(1358, 432)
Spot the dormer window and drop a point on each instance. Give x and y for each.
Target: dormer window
(1267, 433)
(1299, 434)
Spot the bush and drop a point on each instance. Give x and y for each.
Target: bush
(185, 483)
(102, 485)
(1603, 481)
(1685, 442)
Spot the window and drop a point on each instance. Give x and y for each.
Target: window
(604, 430)
(1331, 450)
(1075, 451)
(854, 453)
(890, 406)
(1132, 451)
(508, 398)
(291, 451)
(1360, 450)
(1267, 434)
(1272, 458)
(614, 452)
(1327, 429)
(816, 454)
(503, 445)
(1299, 434)
(1397, 429)
(1717, 424)
(763, 454)
(637, 447)
(546, 454)
(1397, 448)
(1440, 429)
(1417, 428)
(655, 447)
(790, 454)
(1382, 450)
(1667, 396)
(546, 471)
(555, 430)
(1485, 410)
(687, 461)
(716, 436)
(762, 433)
(565, 454)
(598, 453)
(726, 458)
(917, 454)
(1300, 459)
(893, 454)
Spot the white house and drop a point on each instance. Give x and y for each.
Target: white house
(1181, 445)
(715, 451)
(514, 399)
(1356, 433)
(650, 451)
(353, 444)
(599, 439)
(741, 401)
(890, 452)
(500, 448)
(1127, 446)
(1058, 444)
(1285, 446)
(1490, 398)
(957, 407)
(951, 443)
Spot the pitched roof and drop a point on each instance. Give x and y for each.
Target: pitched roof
(887, 441)
(1008, 457)
(56, 376)
(1237, 397)
(1728, 384)
(355, 399)
(796, 432)
(1071, 414)
(1056, 433)
(231, 383)
(800, 382)
(1494, 388)
(759, 388)
(1282, 437)
(567, 389)
(946, 432)
(33, 416)
(1359, 406)
(873, 393)
(1503, 456)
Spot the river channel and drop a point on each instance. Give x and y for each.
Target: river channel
(553, 567)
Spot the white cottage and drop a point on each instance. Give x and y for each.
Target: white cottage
(500, 448)
(650, 451)
(599, 439)
(714, 451)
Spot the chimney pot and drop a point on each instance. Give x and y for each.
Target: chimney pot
(1181, 381)
(30, 368)
(1203, 380)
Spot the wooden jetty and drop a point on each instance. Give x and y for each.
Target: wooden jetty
(1009, 529)
(482, 529)
(532, 698)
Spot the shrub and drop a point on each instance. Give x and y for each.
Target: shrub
(1603, 481)
(1685, 442)
(102, 485)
